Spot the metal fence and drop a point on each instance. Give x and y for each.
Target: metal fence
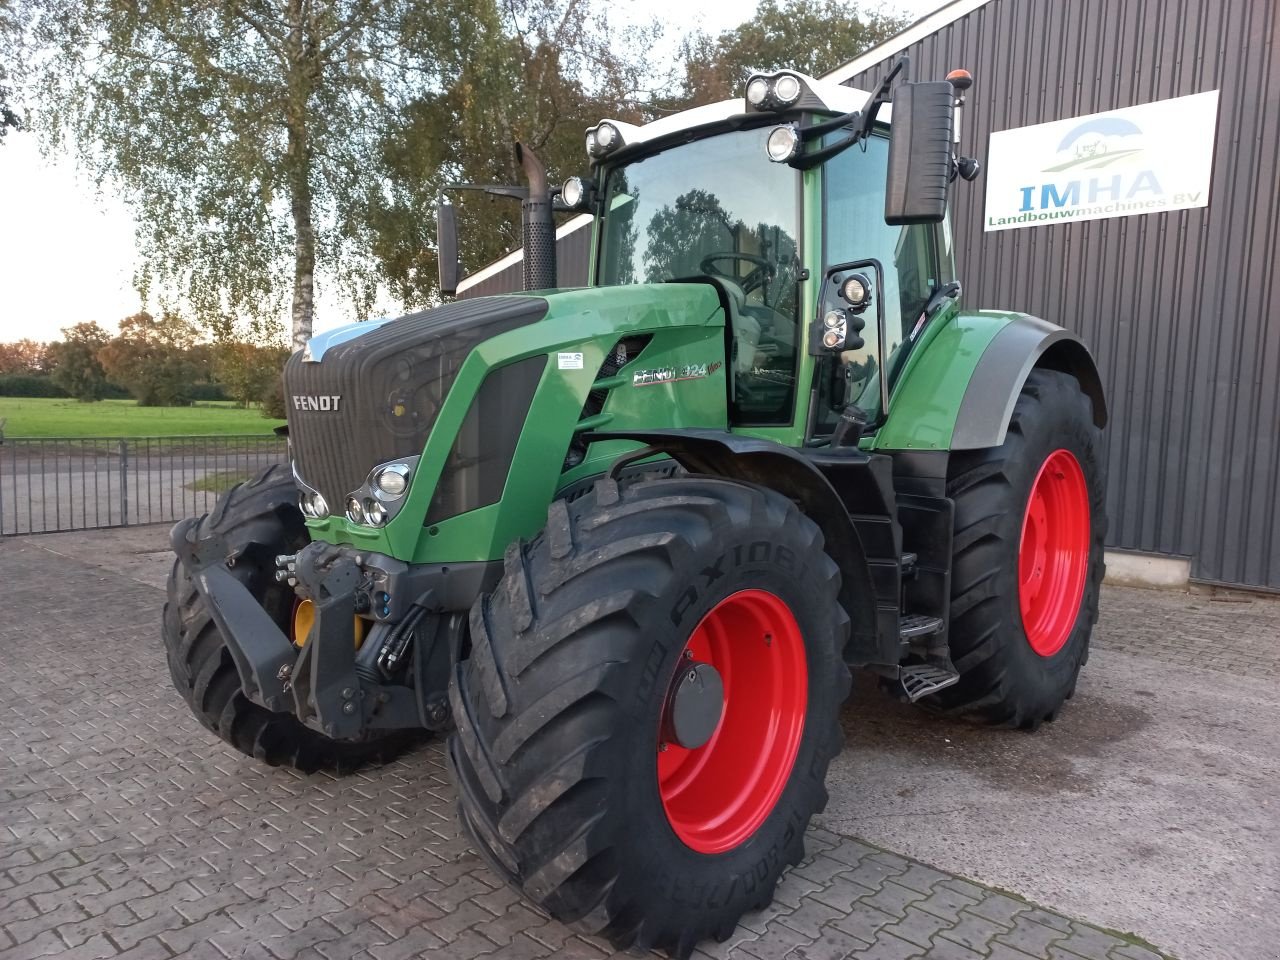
(55, 484)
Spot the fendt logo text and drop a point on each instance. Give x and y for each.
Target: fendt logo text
(325, 402)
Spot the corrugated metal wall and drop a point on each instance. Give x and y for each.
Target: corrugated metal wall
(573, 254)
(1181, 309)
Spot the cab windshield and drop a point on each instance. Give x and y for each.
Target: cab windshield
(717, 207)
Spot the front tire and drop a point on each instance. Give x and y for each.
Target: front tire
(567, 701)
(257, 520)
(1028, 558)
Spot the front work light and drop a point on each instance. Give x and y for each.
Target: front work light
(783, 143)
(572, 193)
(355, 512)
(786, 88)
(757, 90)
(603, 139)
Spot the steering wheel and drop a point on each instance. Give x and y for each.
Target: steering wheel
(764, 271)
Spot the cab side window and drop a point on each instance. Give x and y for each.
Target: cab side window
(854, 230)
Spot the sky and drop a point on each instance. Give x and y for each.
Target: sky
(67, 251)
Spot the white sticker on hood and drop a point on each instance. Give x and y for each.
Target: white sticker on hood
(570, 361)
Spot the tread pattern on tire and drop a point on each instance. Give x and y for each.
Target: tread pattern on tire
(981, 485)
(540, 698)
(257, 519)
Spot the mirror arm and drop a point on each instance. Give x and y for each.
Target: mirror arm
(807, 161)
(864, 118)
(826, 126)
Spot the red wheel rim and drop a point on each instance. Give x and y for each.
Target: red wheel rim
(717, 795)
(1053, 556)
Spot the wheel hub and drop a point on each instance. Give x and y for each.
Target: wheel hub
(697, 703)
(733, 721)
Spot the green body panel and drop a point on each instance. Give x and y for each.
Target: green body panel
(926, 398)
(687, 327)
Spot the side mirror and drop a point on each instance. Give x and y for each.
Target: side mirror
(920, 144)
(447, 248)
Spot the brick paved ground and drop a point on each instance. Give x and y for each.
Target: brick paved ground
(126, 830)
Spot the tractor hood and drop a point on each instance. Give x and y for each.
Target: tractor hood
(370, 393)
(485, 408)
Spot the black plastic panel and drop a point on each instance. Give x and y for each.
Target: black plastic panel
(476, 472)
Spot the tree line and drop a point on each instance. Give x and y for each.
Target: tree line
(265, 146)
(158, 360)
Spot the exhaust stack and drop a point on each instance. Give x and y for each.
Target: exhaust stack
(537, 226)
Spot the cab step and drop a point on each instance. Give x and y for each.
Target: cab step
(921, 679)
(914, 625)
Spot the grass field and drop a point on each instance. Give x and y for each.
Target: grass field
(124, 418)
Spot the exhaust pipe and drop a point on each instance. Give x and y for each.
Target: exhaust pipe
(537, 226)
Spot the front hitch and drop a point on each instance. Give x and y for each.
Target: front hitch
(263, 655)
(319, 685)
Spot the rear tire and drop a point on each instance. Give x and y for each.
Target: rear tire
(1021, 621)
(258, 520)
(562, 705)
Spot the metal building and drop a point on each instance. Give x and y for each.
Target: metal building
(1181, 308)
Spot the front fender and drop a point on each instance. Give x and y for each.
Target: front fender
(958, 392)
(873, 612)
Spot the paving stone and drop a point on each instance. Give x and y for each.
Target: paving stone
(417, 942)
(811, 916)
(972, 931)
(1029, 936)
(1131, 951)
(918, 927)
(999, 908)
(1089, 943)
(921, 878)
(889, 947)
(894, 899)
(842, 894)
(864, 922)
(945, 902)
(832, 944)
(776, 942)
(944, 949)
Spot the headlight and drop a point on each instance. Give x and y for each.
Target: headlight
(355, 511)
(757, 90)
(390, 482)
(313, 505)
(783, 143)
(375, 515)
(591, 143)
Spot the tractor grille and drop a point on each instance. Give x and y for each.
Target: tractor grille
(391, 383)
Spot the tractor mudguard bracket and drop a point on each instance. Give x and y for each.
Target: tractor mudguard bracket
(261, 652)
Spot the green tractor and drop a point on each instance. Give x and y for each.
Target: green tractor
(623, 543)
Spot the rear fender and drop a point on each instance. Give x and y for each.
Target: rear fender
(959, 391)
